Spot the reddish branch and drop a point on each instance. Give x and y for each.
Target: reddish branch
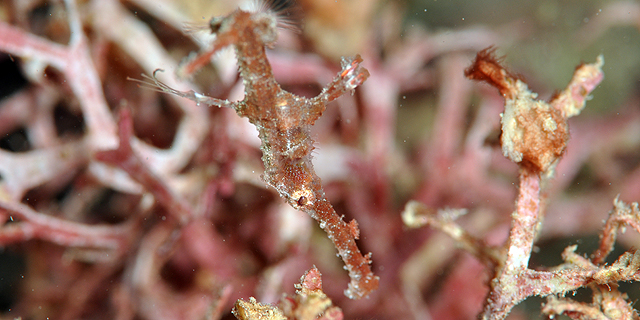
(525, 220)
(75, 62)
(534, 135)
(34, 225)
(284, 123)
(124, 158)
(621, 216)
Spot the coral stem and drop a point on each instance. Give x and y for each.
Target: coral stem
(525, 219)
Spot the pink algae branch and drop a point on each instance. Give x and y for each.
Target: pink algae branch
(29, 225)
(621, 216)
(534, 135)
(75, 62)
(124, 158)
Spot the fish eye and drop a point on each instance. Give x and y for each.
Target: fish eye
(302, 201)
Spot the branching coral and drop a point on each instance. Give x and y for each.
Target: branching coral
(123, 202)
(534, 135)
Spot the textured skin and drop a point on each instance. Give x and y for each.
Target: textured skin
(284, 123)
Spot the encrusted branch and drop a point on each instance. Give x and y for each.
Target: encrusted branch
(524, 224)
(621, 216)
(534, 135)
(309, 303)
